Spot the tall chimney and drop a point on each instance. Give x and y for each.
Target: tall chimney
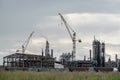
(52, 53)
(116, 59)
(90, 54)
(103, 55)
(47, 53)
(84, 58)
(42, 53)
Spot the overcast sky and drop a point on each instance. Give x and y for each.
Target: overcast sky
(18, 18)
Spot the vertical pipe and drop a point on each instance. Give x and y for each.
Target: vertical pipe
(84, 58)
(42, 53)
(52, 53)
(90, 54)
(116, 60)
(103, 51)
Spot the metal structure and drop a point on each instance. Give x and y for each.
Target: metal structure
(72, 34)
(24, 46)
(32, 62)
(23, 61)
(15, 61)
(98, 53)
(47, 51)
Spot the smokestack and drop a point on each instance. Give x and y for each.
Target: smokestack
(84, 58)
(116, 59)
(42, 53)
(52, 53)
(90, 54)
(103, 55)
(47, 53)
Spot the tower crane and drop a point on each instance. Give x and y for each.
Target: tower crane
(72, 34)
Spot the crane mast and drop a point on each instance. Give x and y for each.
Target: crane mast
(72, 34)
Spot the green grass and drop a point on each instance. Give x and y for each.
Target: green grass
(59, 76)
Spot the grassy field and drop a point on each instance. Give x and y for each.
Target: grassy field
(59, 76)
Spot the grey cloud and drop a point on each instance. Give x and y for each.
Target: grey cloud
(96, 29)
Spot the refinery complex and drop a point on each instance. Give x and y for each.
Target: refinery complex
(20, 60)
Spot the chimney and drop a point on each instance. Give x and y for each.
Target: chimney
(52, 53)
(42, 53)
(116, 59)
(84, 58)
(47, 53)
(103, 55)
(90, 54)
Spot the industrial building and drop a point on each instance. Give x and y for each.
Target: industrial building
(46, 60)
(96, 62)
(99, 56)
(27, 60)
(22, 61)
(98, 53)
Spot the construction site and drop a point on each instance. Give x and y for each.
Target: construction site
(45, 62)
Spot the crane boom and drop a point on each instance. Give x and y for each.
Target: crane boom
(67, 26)
(72, 35)
(24, 46)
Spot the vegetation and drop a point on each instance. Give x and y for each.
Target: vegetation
(59, 76)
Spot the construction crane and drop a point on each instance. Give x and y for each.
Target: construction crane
(72, 34)
(24, 46)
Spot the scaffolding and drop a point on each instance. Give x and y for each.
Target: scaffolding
(17, 60)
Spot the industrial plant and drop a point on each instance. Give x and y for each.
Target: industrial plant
(20, 60)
